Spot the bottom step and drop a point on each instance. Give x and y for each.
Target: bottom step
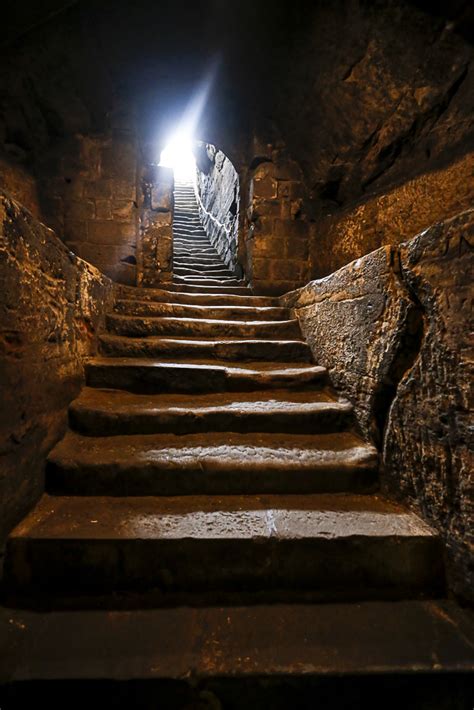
(331, 547)
(412, 655)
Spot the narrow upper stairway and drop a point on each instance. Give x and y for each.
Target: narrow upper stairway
(209, 461)
(196, 262)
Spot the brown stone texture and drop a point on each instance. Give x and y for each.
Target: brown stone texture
(392, 216)
(276, 228)
(428, 448)
(219, 194)
(51, 306)
(393, 330)
(155, 247)
(91, 200)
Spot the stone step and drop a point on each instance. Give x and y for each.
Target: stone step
(210, 267)
(154, 376)
(158, 295)
(197, 255)
(98, 412)
(204, 261)
(222, 464)
(276, 656)
(181, 241)
(203, 288)
(228, 349)
(207, 281)
(336, 547)
(207, 310)
(141, 326)
(190, 234)
(209, 271)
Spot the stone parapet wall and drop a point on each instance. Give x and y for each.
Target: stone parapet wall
(52, 304)
(393, 330)
(218, 195)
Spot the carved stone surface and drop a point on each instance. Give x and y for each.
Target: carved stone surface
(51, 306)
(354, 321)
(392, 328)
(429, 440)
(219, 192)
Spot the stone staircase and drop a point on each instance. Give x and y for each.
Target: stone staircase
(210, 470)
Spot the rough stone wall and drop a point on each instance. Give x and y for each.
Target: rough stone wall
(90, 197)
(393, 216)
(51, 305)
(155, 245)
(18, 181)
(393, 328)
(277, 231)
(218, 194)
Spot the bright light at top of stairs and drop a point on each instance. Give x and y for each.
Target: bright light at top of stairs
(178, 155)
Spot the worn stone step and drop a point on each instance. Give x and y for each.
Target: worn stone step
(206, 281)
(276, 656)
(208, 310)
(214, 268)
(209, 271)
(197, 256)
(201, 327)
(228, 349)
(333, 546)
(165, 464)
(148, 376)
(204, 261)
(158, 295)
(203, 288)
(98, 412)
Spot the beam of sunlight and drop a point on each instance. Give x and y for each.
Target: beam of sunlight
(178, 151)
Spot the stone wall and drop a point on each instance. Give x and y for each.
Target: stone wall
(277, 231)
(17, 179)
(155, 244)
(393, 216)
(51, 305)
(218, 193)
(393, 329)
(89, 196)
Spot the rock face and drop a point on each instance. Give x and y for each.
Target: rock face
(392, 328)
(395, 215)
(355, 322)
(51, 304)
(429, 439)
(219, 193)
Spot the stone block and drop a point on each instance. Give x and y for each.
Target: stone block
(119, 158)
(111, 232)
(162, 197)
(98, 189)
(75, 230)
(264, 187)
(124, 189)
(103, 209)
(296, 248)
(267, 245)
(79, 209)
(289, 270)
(123, 210)
(291, 227)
